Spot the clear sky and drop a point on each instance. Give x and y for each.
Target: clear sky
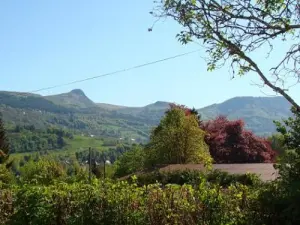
(45, 43)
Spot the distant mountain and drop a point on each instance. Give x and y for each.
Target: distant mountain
(74, 110)
(74, 99)
(20, 100)
(151, 113)
(257, 112)
(110, 106)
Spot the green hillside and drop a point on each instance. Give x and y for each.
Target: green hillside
(76, 112)
(73, 111)
(257, 112)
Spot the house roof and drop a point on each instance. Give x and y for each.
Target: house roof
(265, 171)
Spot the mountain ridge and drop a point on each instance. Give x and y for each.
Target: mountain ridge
(75, 98)
(74, 110)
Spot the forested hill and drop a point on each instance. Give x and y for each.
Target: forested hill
(257, 112)
(75, 111)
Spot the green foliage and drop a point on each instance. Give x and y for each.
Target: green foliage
(290, 130)
(277, 143)
(6, 208)
(6, 177)
(42, 172)
(290, 163)
(178, 139)
(54, 190)
(4, 145)
(30, 139)
(195, 178)
(278, 202)
(130, 162)
(233, 31)
(122, 203)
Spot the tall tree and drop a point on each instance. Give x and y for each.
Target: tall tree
(4, 145)
(234, 30)
(230, 143)
(290, 129)
(178, 140)
(130, 162)
(281, 198)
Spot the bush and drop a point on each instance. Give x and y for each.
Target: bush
(6, 208)
(278, 202)
(194, 178)
(275, 204)
(225, 179)
(6, 177)
(43, 172)
(122, 203)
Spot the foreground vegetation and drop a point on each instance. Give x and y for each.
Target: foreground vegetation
(51, 189)
(45, 193)
(48, 191)
(52, 197)
(106, 202)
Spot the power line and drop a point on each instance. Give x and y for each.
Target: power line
(115, 72)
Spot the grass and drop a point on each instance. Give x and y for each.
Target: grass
(83, 142)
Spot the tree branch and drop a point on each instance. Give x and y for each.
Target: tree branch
(233, 29)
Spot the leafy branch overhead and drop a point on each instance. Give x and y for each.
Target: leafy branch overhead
(232, 30)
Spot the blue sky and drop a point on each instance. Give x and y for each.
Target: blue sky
(45, 43)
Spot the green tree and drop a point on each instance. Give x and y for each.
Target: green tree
(44, 171)
(4, 145)
(290, 164)
(233, 31)
(178, 140)
(6, 176)
(130, 162)
(278, 202)
(278, 143)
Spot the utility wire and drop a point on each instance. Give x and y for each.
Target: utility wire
(115, 72)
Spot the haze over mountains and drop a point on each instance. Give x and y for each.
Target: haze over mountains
(74, 110)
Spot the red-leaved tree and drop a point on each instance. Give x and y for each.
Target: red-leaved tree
(229, 142)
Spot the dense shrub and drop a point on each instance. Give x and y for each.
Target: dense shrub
(122, 203)
(194, 178)
(6, 208)
(6, 177)
(42, 172)
(278, 202)
(275, 204)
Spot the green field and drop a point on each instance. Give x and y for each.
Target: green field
(77, 144)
